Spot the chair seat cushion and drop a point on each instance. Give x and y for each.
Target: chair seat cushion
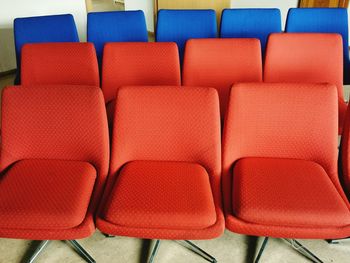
(166, 195)
(286, 192)
(45, 194)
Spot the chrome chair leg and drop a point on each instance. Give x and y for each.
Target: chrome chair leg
(81, 251)
(303, 250)
(337, 241)
(261, 250)
(154, 251)
(200, 252)
(108, 235)
(38, 250)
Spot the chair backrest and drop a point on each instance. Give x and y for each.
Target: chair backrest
(116, 26)
(59, 64)
(322, 20)
(137, 64)
(54, 122)
(43, 29)
(251, 23)
(306, 58)
(272, 120)
(219, 63)
(167, 124)
(181, 25)
(345, 153)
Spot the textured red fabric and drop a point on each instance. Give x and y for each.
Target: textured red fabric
(345, 153)
(59, 64)
(139, 64)
(289, 192)
(219, 63)
(307, 58)
(271, 120)
(55, 123)
(169, 124)
(173, 195)
(45, 194)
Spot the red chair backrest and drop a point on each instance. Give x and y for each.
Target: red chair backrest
(59, 64)
(167, 123)
(219, 63)
(306, 58)
(271, 120)
(54, 122)
(139, 64)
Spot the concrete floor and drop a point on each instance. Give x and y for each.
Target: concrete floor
(228, 248)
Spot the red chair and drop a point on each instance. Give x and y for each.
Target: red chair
(280, 175)
(345, 153)
(59, 64)
(137, 64)
(54, 162)
(164, 179)
(307, 58)
(219, 63)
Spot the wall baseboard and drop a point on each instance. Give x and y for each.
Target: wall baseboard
(8, 72)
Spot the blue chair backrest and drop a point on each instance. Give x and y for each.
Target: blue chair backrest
(251, 23)
(180, 25)
(116, 26)
(40, 29)
(322, 20)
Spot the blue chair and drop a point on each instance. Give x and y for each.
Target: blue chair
(116, 26)
(53, 28)
(322, 20)
(251, 23)
(180, 25)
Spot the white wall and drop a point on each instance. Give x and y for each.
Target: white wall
(146, 6)
(283, 5)
(10, 9)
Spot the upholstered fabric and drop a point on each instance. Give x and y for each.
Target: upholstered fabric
(174, 195)
(65, 123)
(43, 29)
(274, 121)
(136, 64)
(322, 20)
(344, 154)
(219, 63)
(181, 25)
(165, 124)
(251, 23)
(116, 26)
(45, 194)
(59, 64)
(312, 58)
(286, 192)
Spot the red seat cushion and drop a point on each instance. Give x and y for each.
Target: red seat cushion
(168, 195)
(45, 194)
(286, 192)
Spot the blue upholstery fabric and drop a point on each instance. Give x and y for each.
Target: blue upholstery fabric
(180, 25)
(251, 23)
(54, 28)
(322, 20)
(116, 26)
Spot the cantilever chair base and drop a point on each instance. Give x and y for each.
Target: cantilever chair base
(296, 245)
(337, 241)
(189, 245)
(77, 247)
